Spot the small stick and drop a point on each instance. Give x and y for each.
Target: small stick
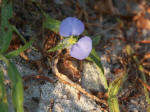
(144, 84)
(64, 79)
(41, 77)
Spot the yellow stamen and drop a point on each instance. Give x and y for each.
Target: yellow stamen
(72, 40)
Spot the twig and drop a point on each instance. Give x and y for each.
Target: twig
(41, 77)
(144, 84)
(65, 80)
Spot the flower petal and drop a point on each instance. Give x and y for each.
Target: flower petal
(71, 26)
(82, 48)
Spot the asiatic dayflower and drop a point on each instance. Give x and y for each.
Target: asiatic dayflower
(82, 48)
(72, 26)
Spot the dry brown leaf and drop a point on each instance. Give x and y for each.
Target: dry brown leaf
(67, 67)
(147, 56)
(143, 23)
(15, 43)
(142, 20)
(118, 71)
(24, 56)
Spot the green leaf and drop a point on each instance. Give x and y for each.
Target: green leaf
(115, 85)
(130, 51)
(95, 58)
(3, 95)
(113, 91)
(113, 104)
(95, 40)
(18, 33)
(6, 39)
(6, 12)
(17, 87)
(6, 31)
(58, 47)
(3, 106)
(2, 88)
(141, 69)
(18, 51)
(51, 24)
(3, 58)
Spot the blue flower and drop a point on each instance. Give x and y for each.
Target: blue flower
(82, 48)
(71, 26)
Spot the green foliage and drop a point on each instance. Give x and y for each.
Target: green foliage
(130, 52)
(16, 83)
(18, 33)
(96, 40)
(51, 24)
(17, 87)
(112, 93)
(113, 104)
(6, 30)
(95, 58)
(3, 97)
(140, 68)
(19, 50)
(58, 47)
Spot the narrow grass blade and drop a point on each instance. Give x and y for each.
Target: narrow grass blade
(6, 38)
(18, 51)
(3, 95)
(130, 51)
(140, 68)
(4, 59)
(113, 104)
(17, 87)
(95, 58)
(18, 33)
(112, 93)
(58, 47)
(6, 30)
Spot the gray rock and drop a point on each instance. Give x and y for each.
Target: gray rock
(91, 78)
(65, 99)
